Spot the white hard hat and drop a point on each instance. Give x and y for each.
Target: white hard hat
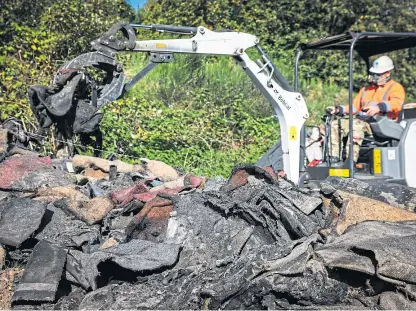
(382, 64)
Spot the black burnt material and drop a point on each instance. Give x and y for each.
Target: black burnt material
(253, 241)
(42, 274)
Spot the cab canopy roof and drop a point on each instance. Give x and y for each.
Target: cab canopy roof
(366, 44)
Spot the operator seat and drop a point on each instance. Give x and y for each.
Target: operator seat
(386, 128)
(386, 132)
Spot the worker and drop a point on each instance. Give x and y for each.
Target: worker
(382, 96)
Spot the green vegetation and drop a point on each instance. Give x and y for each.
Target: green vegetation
(201, 114)
(37, 36)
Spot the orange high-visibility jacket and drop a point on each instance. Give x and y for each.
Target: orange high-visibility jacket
(389, 98)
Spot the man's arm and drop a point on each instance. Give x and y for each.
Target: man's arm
(356, 105)
(395, 100)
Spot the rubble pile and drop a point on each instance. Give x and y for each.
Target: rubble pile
(97, 234)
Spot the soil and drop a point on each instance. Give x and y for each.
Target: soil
(7, 286)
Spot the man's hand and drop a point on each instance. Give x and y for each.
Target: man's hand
(372, 110)
(331, 110)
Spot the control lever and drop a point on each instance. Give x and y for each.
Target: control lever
(362, 115)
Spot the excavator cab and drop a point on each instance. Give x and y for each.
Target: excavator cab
(389, 154)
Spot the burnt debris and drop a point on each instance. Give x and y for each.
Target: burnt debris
(98, 234)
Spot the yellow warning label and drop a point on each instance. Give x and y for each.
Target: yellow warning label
(160, 45)
(293, 133)
(339, 172)
(377, 161)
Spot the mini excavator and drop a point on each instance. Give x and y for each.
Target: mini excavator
(289, 105)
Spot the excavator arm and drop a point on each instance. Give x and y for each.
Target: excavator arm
(289, 105)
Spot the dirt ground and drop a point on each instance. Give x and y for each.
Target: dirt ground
(7, 277)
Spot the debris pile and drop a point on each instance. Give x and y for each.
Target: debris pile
(97, 234)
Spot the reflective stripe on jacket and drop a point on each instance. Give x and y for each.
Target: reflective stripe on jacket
(390, 96)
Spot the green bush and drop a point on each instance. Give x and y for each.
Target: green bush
(37, 36)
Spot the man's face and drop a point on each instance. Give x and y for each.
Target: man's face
(378, 78)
